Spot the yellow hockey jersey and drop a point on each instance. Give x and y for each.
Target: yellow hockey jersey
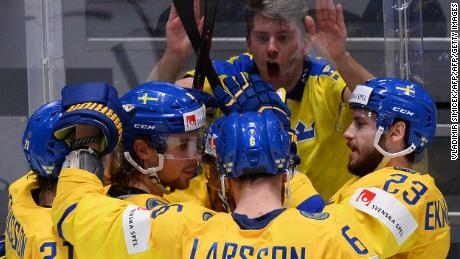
(302, 194)
(401, 212)
(314, 105)
(30, 232)
(138, 197)
(114, 228)
(197, 191)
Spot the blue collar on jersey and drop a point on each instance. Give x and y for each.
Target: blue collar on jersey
(257, 223)
(297, 92)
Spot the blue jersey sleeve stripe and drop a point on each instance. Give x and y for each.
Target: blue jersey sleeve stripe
(64, 216)
(314, 204)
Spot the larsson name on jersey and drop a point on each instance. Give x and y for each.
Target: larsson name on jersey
(234, 250)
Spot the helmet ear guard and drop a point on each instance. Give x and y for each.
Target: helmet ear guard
(394, 99)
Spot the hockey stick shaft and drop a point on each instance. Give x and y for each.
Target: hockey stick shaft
(187, 18)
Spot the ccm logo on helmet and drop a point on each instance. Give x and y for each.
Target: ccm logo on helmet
(144, 126)
(403, 111)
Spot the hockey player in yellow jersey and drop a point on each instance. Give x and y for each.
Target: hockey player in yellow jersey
(205, 189)
(277, 50)
(299, 191)
(400, 211)
(253, 151)
(160, 143)
(30, 233)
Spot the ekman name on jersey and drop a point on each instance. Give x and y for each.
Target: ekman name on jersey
(436, 215)
(232, 250)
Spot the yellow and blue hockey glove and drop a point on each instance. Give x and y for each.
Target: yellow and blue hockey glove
(94, 104)
(248, 92)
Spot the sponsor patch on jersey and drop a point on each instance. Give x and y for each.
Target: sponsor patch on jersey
(361, 95)
(387, 209)
(207, 216)
(136, 229)
(317, 216)
(195, 119)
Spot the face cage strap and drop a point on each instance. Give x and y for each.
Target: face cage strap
(222, 194)
(151, 171)
(404, 152)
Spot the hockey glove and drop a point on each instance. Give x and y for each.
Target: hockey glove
(243, 93)
(94, 104)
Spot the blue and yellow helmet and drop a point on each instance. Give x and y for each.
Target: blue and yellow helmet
(43, 151)
(159, 108)
(395, 99)
(252, 143)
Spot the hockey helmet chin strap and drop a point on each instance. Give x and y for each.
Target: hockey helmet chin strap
(290, 171)
(151, 171)
(386, 154)
(222, 194)
(290, 175)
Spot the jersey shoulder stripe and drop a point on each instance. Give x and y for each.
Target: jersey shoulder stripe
(317, 65)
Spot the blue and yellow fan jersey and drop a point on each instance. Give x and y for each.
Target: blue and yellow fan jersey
(114, 228)
(401, 213)
(30, 232)
(314, 104)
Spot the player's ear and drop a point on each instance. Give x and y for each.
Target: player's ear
(141, 149)
(397, 133)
